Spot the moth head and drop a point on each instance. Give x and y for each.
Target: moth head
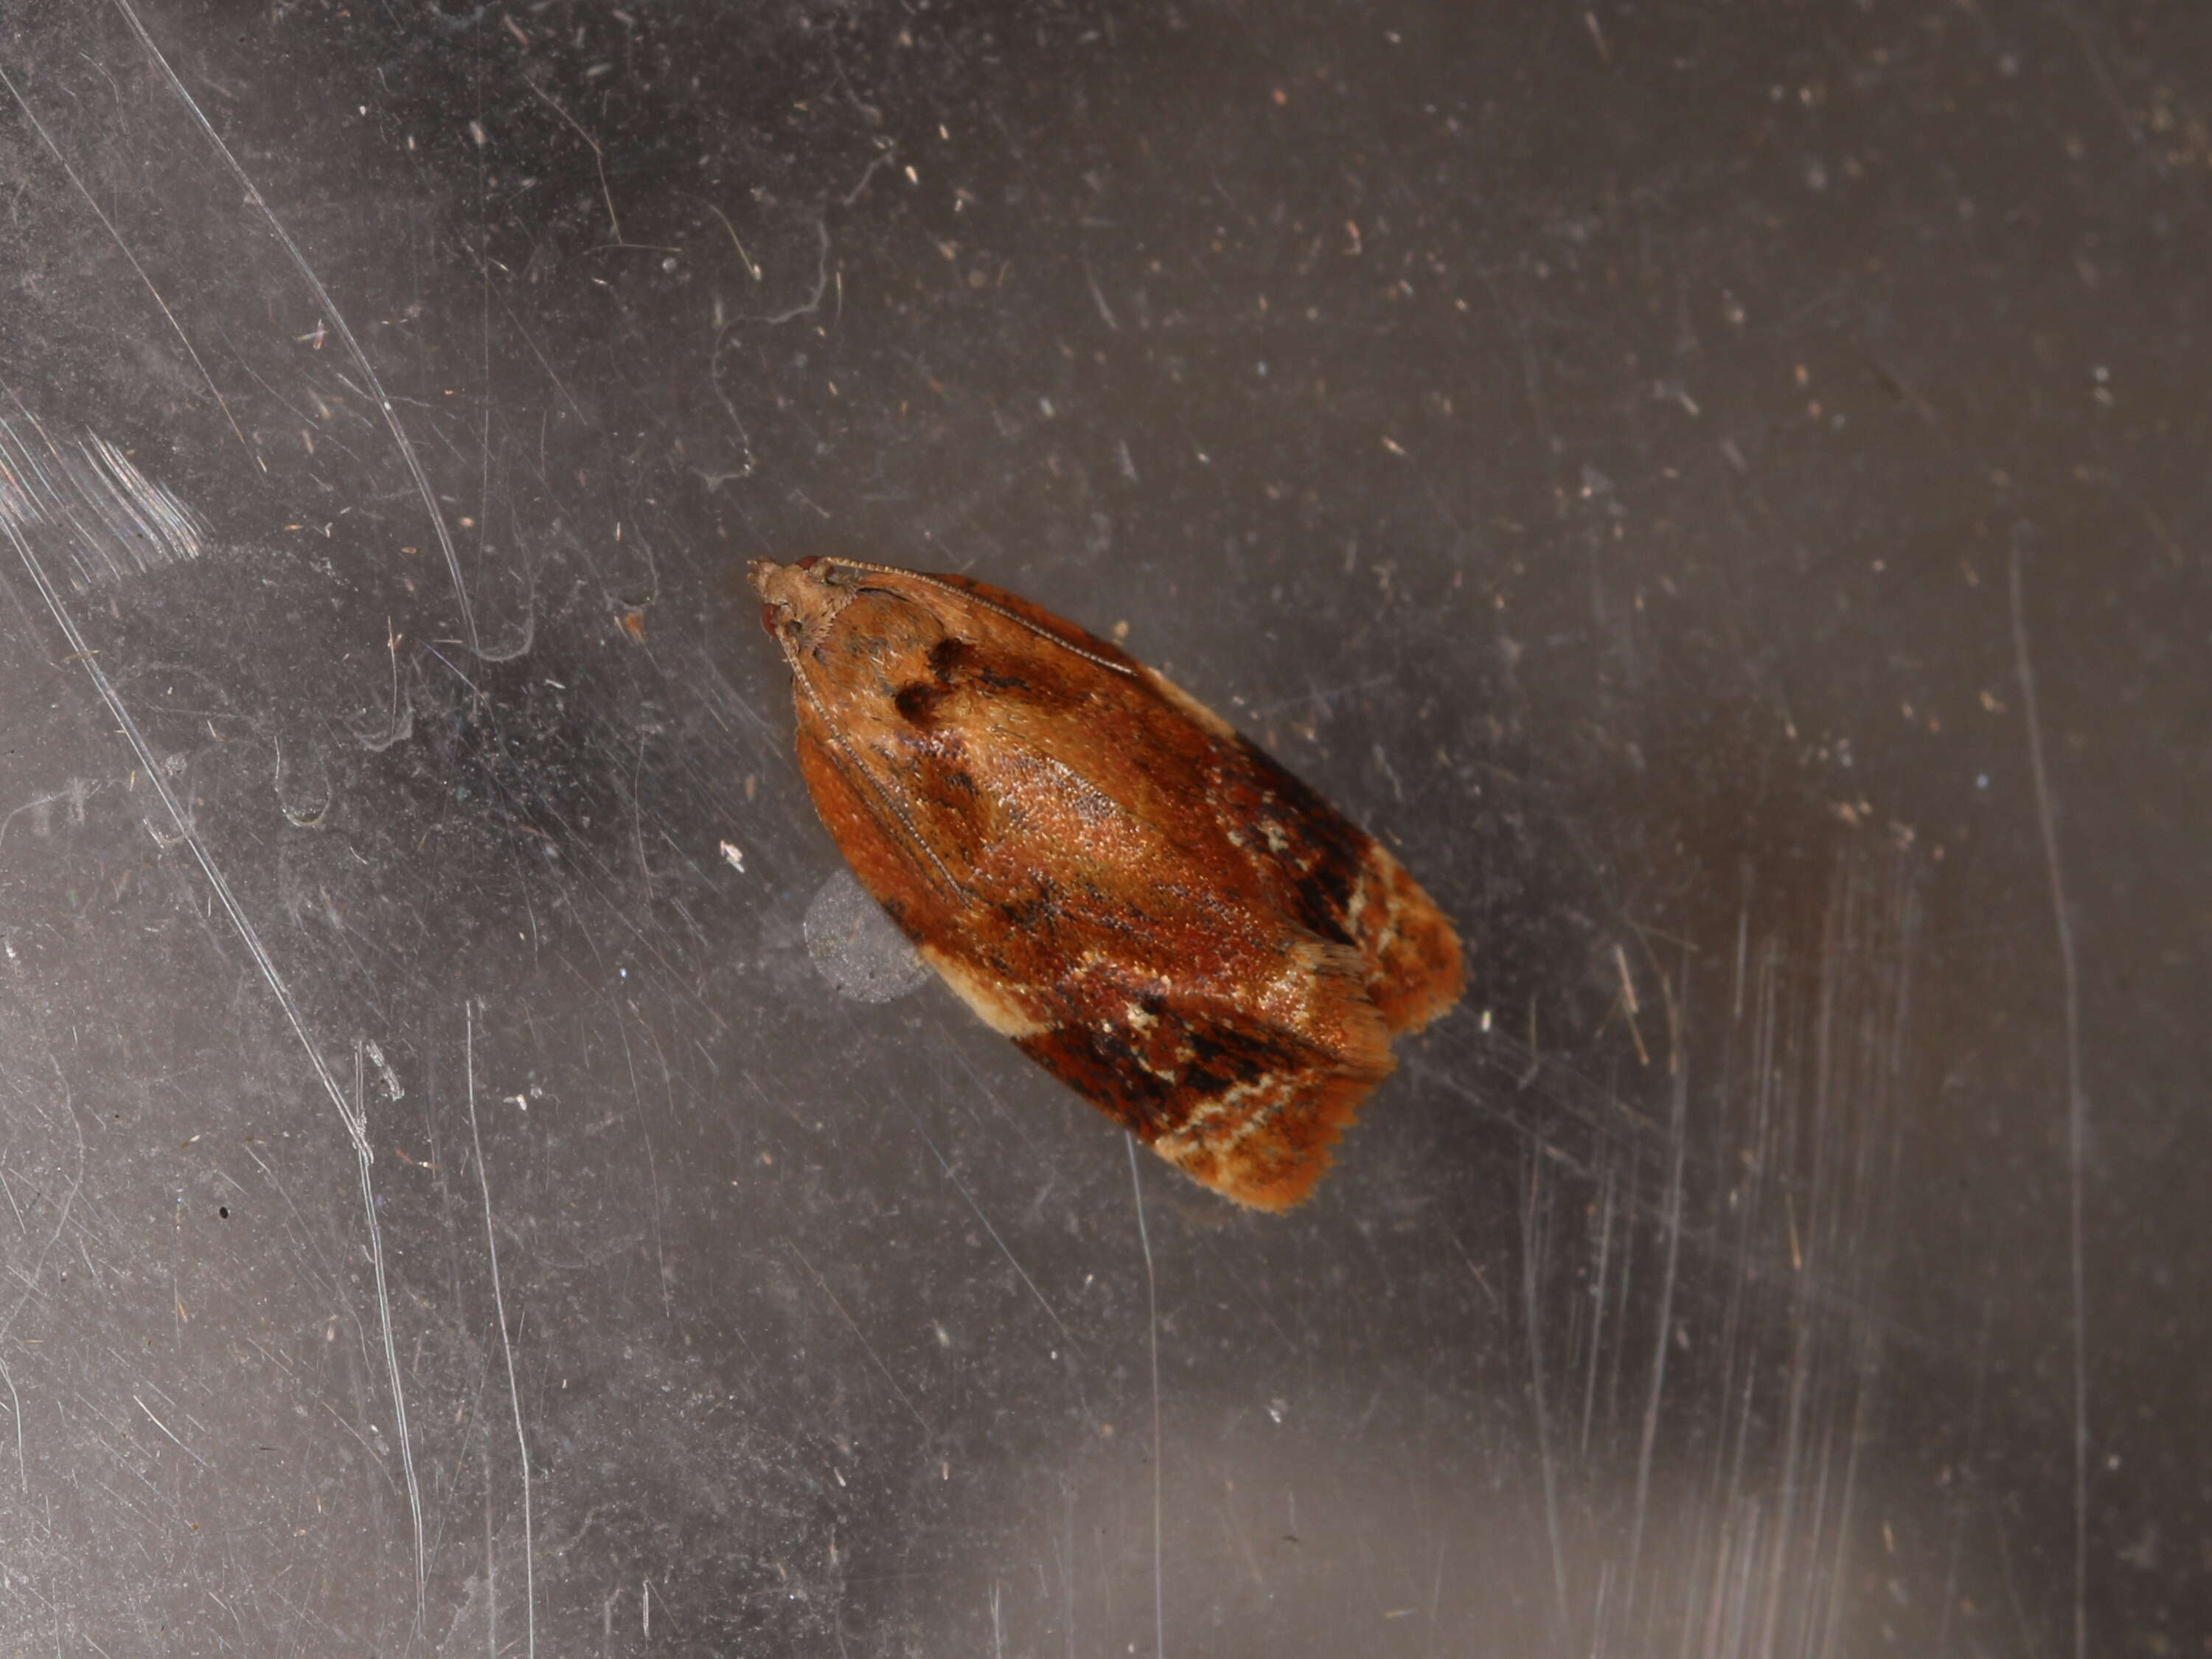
(798, 600)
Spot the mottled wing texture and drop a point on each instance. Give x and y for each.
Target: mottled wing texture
(1037, 617)
(1108, 873)
(1340, 882)
(1329, 873)
(1249, 1105)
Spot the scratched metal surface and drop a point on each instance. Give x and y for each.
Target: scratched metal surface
(1724, 493)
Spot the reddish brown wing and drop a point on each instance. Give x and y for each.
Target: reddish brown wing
(1327, 874)
(1037, 617)
(1152, 907)
(1248, 1105)
(1339, 882)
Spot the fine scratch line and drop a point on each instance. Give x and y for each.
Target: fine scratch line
(1532, 1245)
(2077, 1111)
(499, 1306)
(1152, 1309)
(116, 236)
(337, 319)
(356, 1123)
(1012, 1261)
(1671, 1222)
(360, 1119)
(38, 1265)
(598, 158)
(171, 1432)
(857, 1331)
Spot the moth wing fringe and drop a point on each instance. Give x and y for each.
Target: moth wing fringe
(1417, 970)
(1244, 1103)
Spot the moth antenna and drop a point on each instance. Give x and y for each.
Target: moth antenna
(858, 770)
(1014, 616)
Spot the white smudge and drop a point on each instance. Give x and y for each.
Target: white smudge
(856, 947)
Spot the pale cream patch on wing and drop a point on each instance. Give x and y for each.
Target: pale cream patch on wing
(995, 1003)
(1205, 718)
(1247, 1106)
(1211, 1148)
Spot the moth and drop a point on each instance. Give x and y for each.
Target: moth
(1106, 870)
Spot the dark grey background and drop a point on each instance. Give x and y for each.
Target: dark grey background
(1638, 459)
